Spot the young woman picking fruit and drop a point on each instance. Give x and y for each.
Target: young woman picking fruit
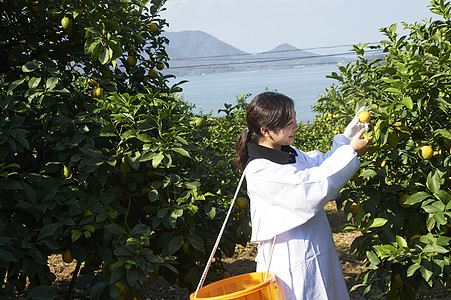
(288, 189)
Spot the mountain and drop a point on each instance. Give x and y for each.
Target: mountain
(197, 52)
(188, 44)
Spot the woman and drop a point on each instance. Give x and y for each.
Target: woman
(288, 189)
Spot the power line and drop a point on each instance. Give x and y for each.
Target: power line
(267, 60)
(262, 53)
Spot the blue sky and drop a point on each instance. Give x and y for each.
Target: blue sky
(261, 25)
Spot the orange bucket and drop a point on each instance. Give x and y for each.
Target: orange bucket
(250, 286)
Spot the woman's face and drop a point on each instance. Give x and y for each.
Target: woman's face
(281, 137)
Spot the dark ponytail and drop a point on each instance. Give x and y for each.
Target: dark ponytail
(270, 110)
(241, 149)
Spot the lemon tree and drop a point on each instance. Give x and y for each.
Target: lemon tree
(403, 186)
(100, 159)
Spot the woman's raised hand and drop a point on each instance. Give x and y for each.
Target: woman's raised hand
(360, 144)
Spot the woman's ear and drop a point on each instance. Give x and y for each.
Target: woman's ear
(264, 131)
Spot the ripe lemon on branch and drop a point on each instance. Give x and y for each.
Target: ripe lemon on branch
(364, 116)
(97, 92)
(426, 152)
(354, 209)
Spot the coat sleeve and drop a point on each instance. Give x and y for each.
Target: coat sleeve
(285, 196)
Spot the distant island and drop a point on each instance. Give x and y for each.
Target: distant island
(197, 52)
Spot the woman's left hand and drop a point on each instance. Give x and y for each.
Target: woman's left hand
(355, 126)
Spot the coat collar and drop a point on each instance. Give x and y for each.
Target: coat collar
(287, 155)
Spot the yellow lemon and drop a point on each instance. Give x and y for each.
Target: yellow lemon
(152, 27)
(97, 92)
(426, 152)
(92, 82)
(354, 208)
(364, 116)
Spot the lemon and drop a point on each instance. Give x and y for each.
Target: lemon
(152, 27)
(426, 152)
(87, 213)
(67, 256)
(92, 82)
(66, 23)
(120, 286)
(160, 66)
(354, 208)
(241, 202)
(152, 74)
(67, 172)
(415, 236)
(187, 248)
(364, 116)
(131, 60)
(97, 92)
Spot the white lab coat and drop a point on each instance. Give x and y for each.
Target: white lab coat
(287, 200)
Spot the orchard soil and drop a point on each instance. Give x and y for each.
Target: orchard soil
(243, 262)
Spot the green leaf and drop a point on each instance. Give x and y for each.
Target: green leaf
(140, 229)
(407, 101)
(181, 151)
(196, 242)
(105, 55)
(175, 243)
(367, 173)
(30, 66)
(76, 234)
(115, 229)
(156, 160)
(401, 242)
(34, 82)
(427, 274)
(29, 192)
(435, 249)
(7, 256)
(15, 84)
(152, 195)
(443, 196)
(433, 182)
(47, 230)
(132, 276)
(91, 45)
(211, 212)
(372, 257)
(417, 197)
(377, 222)
(445, 133)
(51, 83)
(393, 90)
(412, 269)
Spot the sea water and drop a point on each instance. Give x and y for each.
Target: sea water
(304, 85)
